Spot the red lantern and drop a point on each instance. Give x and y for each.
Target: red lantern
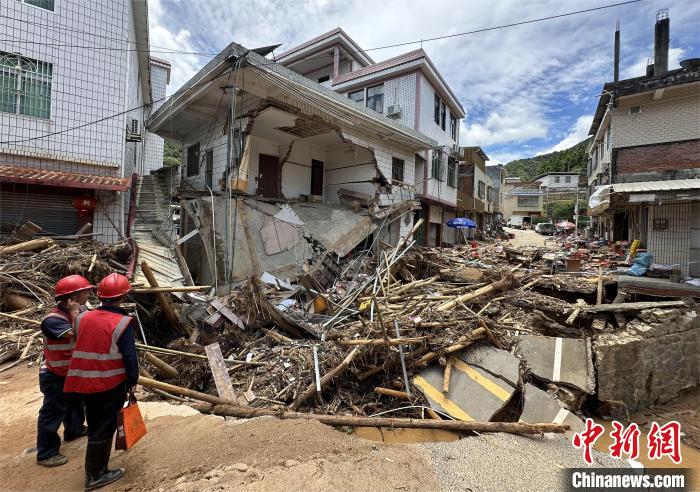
(84, 204)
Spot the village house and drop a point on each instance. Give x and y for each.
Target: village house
(498, 176)
(72, 117)
(475, 189)
(280, 172)
(644, 160)
(521, 199)
(407, 89)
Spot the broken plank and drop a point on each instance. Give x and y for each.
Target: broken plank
(631, 306)
(219, 371)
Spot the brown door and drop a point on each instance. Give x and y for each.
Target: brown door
(268, 176)
(316, 177)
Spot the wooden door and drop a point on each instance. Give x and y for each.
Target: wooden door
(268, 176)
(316, 177)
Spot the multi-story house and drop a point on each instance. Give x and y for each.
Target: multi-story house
(475, 190)
(644, 160)
(407, 89)
(498, 175)
(522, 199)
(76, 84)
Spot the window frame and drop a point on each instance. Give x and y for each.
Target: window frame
(481, 190)
(209, 167)
(567, 179)
(443, 114)
(32, 74)
(381, 96)
(323, 79)
(398, 167)
(436, 109)
(362, 101)
(453, 126)
(192, 167)
(528, 201)
(52, 9)
(451, 172)
(436, 164)
(557, 179)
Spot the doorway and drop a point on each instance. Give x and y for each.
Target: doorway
(268, 176)
(316, 177)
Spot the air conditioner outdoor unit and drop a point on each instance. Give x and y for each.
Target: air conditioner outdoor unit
(393, 110)
(133, 131)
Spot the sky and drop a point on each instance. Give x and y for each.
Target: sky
(527, 89)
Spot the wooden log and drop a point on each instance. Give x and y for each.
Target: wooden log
(401, 423)
(19, 318)
(381, 341)
(390, 392)
(17, 302)
(165, 305)
(327, 378)
(500, 285)
(182, 288)
(32, 245)
(580, 303)
(405, 239)
(476, 334)
(432, 414)
(165, 369)
(599, 293)
(446, 376)
(631, 306)
(10, 354)
(179, 391)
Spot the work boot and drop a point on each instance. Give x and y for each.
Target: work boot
(68, 437)
(55, 460)
(96, 459)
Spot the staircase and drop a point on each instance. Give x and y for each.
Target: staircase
(155, 232)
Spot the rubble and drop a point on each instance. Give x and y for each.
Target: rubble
(478, 332)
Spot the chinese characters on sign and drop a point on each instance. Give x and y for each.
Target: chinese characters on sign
(662, 440)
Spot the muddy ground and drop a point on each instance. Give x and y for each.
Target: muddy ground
(186, 451)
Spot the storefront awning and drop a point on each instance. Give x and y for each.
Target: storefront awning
(47, 177)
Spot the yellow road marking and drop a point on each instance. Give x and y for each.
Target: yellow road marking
(486, 383)
(436, 395)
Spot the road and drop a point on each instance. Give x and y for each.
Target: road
(528, 237)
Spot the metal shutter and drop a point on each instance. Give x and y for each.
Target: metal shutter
(53, 213)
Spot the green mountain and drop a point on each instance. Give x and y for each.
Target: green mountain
(572, 159)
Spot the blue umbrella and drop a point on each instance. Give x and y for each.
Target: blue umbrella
(461, 223)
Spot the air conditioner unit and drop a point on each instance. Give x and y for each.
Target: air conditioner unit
(133, 131)
(393, 111)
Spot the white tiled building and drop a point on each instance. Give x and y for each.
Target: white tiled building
(409, 89)
(76, 84)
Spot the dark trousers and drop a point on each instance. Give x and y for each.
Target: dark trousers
(101, 410)
(58, 407)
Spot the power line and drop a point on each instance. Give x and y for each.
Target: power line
(396, 45)
(216, 55)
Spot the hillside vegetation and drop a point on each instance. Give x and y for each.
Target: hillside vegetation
(572, 159)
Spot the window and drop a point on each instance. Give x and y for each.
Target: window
(482, 190)
(375, 98)
(397, 169)
(193, 160)
(567, 179)
(42, 4)
(436, 115)
(209, 171)
(442, 115)
(25, 86)
(528, 201)
(635, 109)
(323, 79)
(451, 173)
(557, 179)
(435, 171)
(453, 127)
(489, 193)
(358, 96)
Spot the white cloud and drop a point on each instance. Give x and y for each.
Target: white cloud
(577, 133)
(638, 69)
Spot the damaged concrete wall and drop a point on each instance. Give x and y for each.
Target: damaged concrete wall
(654, 359)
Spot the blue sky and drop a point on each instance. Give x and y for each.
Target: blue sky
(527, 89)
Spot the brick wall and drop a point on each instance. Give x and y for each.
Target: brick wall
(660, 159)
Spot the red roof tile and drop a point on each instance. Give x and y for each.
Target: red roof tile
(377, 67)
(28, 175)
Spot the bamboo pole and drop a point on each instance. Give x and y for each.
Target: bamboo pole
(19, 318)
(380, 341)
(390, 392)
(162, 300)
(503, 284)
(327, 378)
(599, 292)
(32, 245)
(164, 368)
(181, 288)
(161, 350)
(446, 376)
(476, 334)
(179, 391)
(631, 306)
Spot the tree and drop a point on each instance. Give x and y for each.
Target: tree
(172, 154)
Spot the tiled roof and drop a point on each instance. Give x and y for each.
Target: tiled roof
(28, 175)
(377, 67)
(160, 61)
(303, 45)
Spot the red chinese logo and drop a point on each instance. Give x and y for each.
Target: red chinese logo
(625, 440)
(665, 440)
(587, 439)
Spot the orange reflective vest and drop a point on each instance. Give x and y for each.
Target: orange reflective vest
(97, 364)
(57, 353)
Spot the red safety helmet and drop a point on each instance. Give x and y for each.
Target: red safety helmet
(72, 283)
(113, 285)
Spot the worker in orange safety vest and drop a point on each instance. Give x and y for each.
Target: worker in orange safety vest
(104, 367)
(58, 407)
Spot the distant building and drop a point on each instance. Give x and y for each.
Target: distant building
(498, 175)
(558, 181)
(475, 195)
(644, 159)
(74, 94)
(521, 198)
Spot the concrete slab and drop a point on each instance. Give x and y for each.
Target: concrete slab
(474, 394)
(559, 360)
(500, 363)
(540, 407)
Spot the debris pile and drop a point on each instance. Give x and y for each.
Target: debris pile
(482, 332)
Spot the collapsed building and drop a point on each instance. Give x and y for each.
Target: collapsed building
(280, 171)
